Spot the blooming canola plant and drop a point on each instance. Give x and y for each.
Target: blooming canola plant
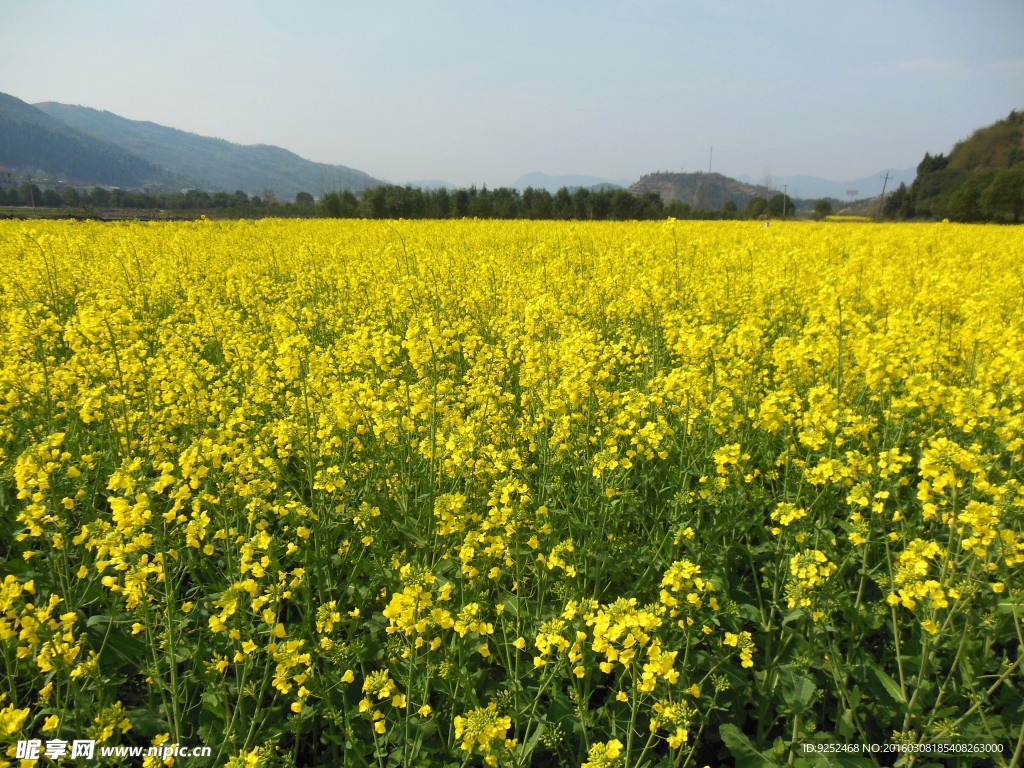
(511, 493)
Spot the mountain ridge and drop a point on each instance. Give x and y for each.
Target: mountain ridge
(216, 164)
(32, 141)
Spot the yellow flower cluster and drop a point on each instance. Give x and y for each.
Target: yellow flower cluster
(620, 631)
(481, 726)
(809, 569)
(604, 754)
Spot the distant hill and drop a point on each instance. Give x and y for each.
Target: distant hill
(214, 163)
(811, 187)
(539, 180)
(705, 191)
(32, 142)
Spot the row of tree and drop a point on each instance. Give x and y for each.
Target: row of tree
(507, 203)
(189, 200)
(394, 202)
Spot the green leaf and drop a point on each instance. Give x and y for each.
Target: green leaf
(118, 649)
(511, 603)
(887, 682)
(797, 691)
(845, 725)
(1010, 606)
(743, 751)
(146, 723)
(750, 612)
(526, 749)
(412, 535)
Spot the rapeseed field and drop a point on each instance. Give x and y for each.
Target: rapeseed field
(514, 493)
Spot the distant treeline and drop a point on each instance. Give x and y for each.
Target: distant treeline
(393, 202)
(237, 202)
(507, 203)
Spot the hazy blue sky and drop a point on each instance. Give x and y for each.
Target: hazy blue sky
(484, 92)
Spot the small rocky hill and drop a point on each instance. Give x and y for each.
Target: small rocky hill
(705, 191)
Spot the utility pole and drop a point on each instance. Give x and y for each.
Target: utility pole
(785, 199)
(710, 158)
(882, 196)
(31, 194)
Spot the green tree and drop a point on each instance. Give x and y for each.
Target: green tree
(756, 206)
(965, 201)
(651, 205)
(528, 195)
(349, 204)
(542, 206)
(506, 203)
(897, 204)
(677, 209)
(600, 205)
(440, 204)
(31, 194)
(562, 204)
(729, 207)
(304, 198)
(1003, 199)
(624, 206)
(480, 203)
(461, 204)
(775, 205)
(581, 204)
(373, 203)
(822, 208)
(330, 206)
(931, 164)
(99, 197)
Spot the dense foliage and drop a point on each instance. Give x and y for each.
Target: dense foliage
(513, 493)
(982, 179)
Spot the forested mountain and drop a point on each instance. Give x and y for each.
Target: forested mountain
(982, 179)
(32, 141)
(215, 164)
(1000, 145)
(707, 191)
